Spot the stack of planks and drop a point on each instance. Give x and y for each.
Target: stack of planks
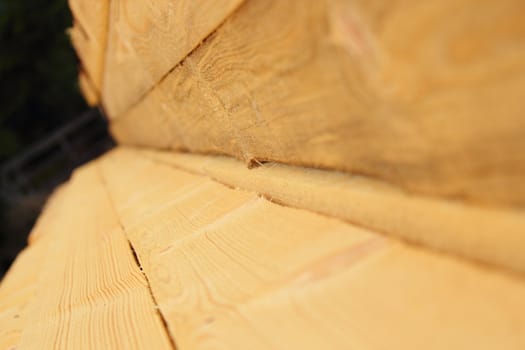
(356, 180)
(136, 252)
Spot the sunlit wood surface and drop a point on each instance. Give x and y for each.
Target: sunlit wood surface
(138, 253)
(309, 174)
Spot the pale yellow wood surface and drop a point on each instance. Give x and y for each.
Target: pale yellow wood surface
(88, 90)
(492, 236)
(16, 291)
(18, 287)
(50, 215)
(232, 270)
(90, 292)
(148, 38)
(427, 95)
(89, 37)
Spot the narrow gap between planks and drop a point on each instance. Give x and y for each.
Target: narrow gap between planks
(163, 320)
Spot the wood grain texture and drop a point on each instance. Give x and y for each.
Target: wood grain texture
(19, 285)
(16, 291)
(147, 39)
(89, 38)
(231, 270)
(425, 95)
(90, 293)
(491, 236)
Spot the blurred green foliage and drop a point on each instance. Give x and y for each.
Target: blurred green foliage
(38, 73)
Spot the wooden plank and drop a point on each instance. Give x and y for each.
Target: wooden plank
(19, 285)
(88, 90)
(16, 291)
(399, 298)
(232, 270)
(424, 95)
(487, 235)
(147, 39)
(89, 37)
(50, 215)
(91, 293)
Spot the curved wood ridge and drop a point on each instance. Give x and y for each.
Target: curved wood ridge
(492, 236)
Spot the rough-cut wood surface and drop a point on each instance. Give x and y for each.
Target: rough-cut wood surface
(90, 292)
(231, 270)
(427, 95)
(496, 237)
(148, 38)
(89, 37)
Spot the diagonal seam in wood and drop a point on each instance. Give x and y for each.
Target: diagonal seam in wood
(137, 261)
(165, 75)
(455, 229)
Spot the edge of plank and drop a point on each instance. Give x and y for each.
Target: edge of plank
(487, 235)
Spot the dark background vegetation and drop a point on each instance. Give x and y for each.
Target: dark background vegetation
(38, 73)
(38, 94)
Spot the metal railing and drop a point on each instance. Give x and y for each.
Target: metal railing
(45, 164)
